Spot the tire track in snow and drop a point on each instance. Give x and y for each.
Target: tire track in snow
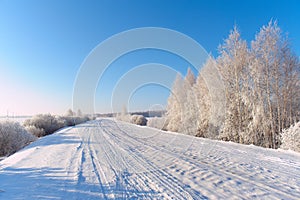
(105, 147)
(119, 169)
(97, 169)
(83, 157)
(164, 177)
(242, 177)
(161, 177)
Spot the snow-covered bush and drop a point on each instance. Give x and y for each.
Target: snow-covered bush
(46, 122)
(38, 132)
(67, 120)
(81, 119)
(41, 125)
(138, 120)
(157, 122)
(291, 138)
(13, 137)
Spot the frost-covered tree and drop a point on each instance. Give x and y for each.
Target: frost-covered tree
(265, 54)
(202, 105)
(70, 113)
(79, 113)
(290, 88)
(275, 73)
(233, 66)
(188, 123)
(175, 105)
(189, 79)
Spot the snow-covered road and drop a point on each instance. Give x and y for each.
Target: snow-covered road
(105, 159)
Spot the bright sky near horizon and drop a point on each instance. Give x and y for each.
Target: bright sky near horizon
(44, 43)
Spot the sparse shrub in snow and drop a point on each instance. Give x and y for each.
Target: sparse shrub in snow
(124, 115)
(157, 122)
(124, 118)
(13, 137)
(72, 121)
(138, 120)
(38, 132)
(291, 138)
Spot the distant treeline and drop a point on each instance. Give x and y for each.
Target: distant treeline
(155, 113)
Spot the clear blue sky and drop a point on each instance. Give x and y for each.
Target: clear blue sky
(43, 43)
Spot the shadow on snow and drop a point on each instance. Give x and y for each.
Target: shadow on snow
(53, 183)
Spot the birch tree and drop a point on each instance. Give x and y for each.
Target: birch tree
(174, 105)
(233, 63)
(202, 106)
(189, 111)
(275, 73)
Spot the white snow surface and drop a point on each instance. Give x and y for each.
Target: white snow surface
(108, 159)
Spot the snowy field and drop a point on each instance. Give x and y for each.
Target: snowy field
(19, 119)
(105, 159)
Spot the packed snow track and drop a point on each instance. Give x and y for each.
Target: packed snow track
(107, 159)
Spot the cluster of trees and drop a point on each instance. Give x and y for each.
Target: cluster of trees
(261, 87)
